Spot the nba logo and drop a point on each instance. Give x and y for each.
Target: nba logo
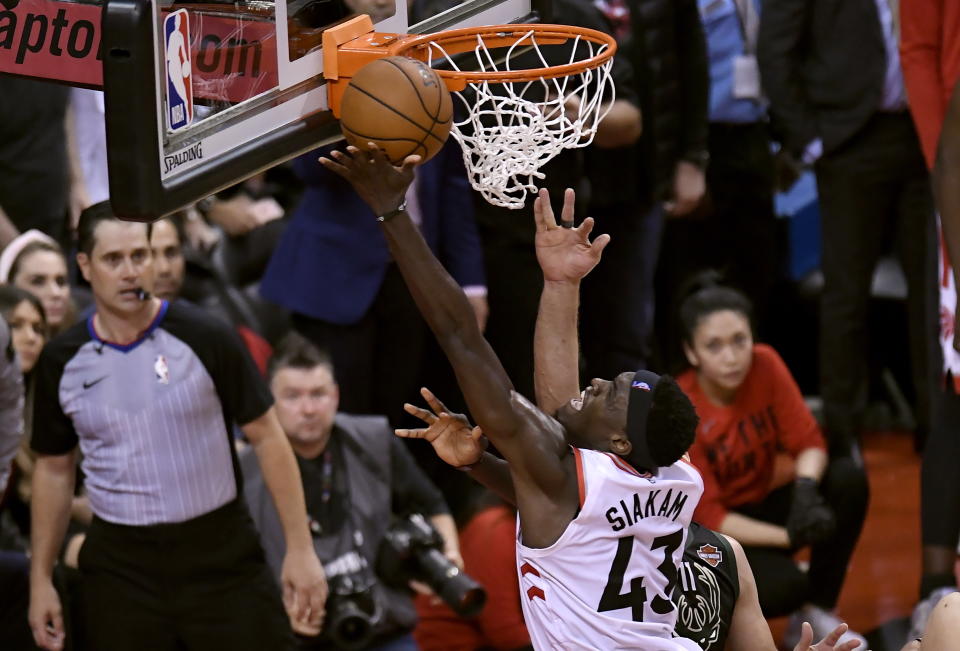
(176, 38)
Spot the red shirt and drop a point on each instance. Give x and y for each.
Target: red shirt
(736, 445)
(488, 544)
(930, 58)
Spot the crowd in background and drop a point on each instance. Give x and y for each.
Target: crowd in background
(737, 99)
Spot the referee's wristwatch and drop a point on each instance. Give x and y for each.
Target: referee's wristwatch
(393, 213)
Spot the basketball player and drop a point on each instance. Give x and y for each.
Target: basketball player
(716, 595)
(602, 524)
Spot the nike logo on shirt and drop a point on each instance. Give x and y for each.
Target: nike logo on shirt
(87, 385)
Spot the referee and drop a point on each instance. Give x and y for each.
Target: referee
(150, 390)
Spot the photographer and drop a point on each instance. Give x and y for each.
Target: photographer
(357, 479)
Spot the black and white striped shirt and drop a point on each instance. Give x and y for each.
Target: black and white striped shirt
(153, 417)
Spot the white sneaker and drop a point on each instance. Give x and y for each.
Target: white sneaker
(823, 623)
(921, 612)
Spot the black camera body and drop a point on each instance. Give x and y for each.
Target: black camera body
(412, 550)
(352, 611)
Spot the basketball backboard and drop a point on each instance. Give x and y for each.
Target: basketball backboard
(202, 95)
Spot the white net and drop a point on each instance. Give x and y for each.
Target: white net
(513, 128)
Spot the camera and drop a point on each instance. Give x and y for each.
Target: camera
(411, 550)
(352, 611)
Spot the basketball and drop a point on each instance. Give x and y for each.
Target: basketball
(401, 105)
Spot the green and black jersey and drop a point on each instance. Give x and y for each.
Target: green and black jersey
(707, 589)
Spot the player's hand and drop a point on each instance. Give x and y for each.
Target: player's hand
(828, 643)
(46, 616)
(304, 591)
(380, 183)
(451, 436)
(565, 254)
(689, 186)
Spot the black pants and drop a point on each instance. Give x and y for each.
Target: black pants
(377, 361)
(14, 601)
(940, 480)
(872, 189)
(735, 235)
(200, 585)
(781, 586)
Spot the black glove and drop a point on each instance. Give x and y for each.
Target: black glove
(810, 520)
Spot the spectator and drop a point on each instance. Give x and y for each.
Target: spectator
(750, 410)
(635, 188)
(149, 391)
(930, 51)
(35, 185)
(25, 315)
(11, 404)
(832, 73)
(736, 229)
(356, 477)
(167, 242)
(36, 263)
(333, 271)
(170, 267)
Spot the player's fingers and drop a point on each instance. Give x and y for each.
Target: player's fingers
(806, 637)
(546, 209)
(835, 634)
(476, 433)
(410, 433)
(333, 166)
(410, 162)
(600, 243)
(851, 645)
(586, 228)
(420, 413)
(566, 213)
(435, 403)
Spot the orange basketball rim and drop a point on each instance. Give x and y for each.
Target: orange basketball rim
(351, 45)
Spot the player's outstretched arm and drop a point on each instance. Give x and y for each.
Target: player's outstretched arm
(946, 171)
(516, 431)
(566, 256)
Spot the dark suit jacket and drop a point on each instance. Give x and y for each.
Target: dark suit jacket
(333, 257)
(822, 63)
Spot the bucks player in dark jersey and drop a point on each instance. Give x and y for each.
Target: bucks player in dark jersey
(714, 592)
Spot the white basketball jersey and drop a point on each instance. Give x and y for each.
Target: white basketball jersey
(606, 583)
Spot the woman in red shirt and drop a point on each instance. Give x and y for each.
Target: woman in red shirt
(767, 479)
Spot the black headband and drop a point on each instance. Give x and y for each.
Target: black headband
(638, 408)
